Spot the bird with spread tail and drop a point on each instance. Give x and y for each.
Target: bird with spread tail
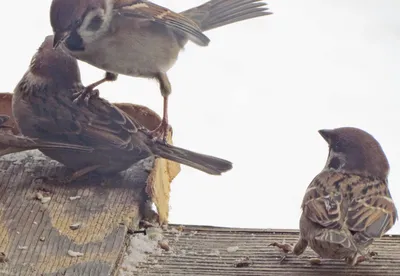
(348, 204)
(43, 107)
(10, 143)
(139, 38)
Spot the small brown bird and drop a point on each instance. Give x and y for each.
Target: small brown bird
(348, 204)
(139, 38)
(43, 108)
(10, 143)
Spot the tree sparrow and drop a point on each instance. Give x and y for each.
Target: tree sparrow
(43, 108)
(139, 38)
(348, 204)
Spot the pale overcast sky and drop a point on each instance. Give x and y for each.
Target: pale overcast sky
(257, 96)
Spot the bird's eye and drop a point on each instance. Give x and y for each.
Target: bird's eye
(95, 23)
(78, 23)
(337, 147)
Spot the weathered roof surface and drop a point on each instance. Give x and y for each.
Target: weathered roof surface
(204, 251)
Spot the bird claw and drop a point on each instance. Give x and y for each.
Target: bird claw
(285, 247)
(86, 94)
(161, 132)
(367, 257)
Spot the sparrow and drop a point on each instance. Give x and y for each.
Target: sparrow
(348, 204)
(139, 38)
(43, 107)
(10, 143)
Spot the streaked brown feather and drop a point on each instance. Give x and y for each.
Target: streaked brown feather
(335, 200)
(155, 13)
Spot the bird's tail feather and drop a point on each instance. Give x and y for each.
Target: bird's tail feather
(206, 163)
(55, 145)
(217, 13)
(32, 143)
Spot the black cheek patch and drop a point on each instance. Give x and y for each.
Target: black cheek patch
(74, 42)
(334, 163)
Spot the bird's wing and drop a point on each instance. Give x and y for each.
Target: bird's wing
(363, 205)
(371, 211)
(323, 200)
(100, 124)
(154, 13)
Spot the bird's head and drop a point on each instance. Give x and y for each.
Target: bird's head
(54, 65)
(76, 22)
(353, 150)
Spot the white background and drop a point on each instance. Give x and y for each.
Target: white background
(257, 96)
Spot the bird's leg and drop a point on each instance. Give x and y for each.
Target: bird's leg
(70, 178)
(361, 258)
(284, 247)
(161, 131)
(89, 92)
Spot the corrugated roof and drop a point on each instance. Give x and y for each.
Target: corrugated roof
(202, 250)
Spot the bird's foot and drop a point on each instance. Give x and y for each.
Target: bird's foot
(85, 95)
(161, 132)
(285, 248)
(367, 257)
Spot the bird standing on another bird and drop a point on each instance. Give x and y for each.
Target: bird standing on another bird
(348, 204)
(10, 143)
(43, 107)
(139, 38)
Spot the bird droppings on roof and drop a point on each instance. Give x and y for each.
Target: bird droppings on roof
(141, 246)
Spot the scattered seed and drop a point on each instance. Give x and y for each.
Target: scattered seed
(232, 249)
(315, 261)
(22, 247)
(42, 239)
(74, 197)
(74, 253)
(45, 199)
(164, 245)
(180, 228)
(75, 226)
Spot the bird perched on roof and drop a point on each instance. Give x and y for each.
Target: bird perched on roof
(43, 108)
(348, 204)
(10, 143)
(139, 38)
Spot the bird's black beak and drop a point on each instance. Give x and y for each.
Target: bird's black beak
(326, 134)
(58, 38)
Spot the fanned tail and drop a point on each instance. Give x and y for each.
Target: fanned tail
(217, 13)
